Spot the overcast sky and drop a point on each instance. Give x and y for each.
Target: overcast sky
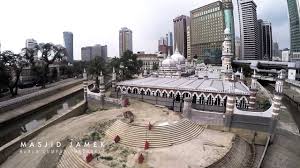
(98, 21)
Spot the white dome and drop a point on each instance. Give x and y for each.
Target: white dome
(227, 31)
(177, 57)
(168, 62)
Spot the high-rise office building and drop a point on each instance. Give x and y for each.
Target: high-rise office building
(294, 17)
(30, 43)
(90, 52)
(207, 32)
(170, 43)
(163, 45)
(68, 40)
(180, 38)
(86, 53)
(248, 30)
(104, 51)
(265, 40)
(237, 48)
(125, 40)
(276, 52)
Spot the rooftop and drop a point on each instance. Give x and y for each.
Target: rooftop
(188, 84)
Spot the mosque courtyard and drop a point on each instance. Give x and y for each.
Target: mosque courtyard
(181, 143)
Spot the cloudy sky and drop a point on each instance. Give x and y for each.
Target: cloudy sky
(98, 21)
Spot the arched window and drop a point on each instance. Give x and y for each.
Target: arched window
(210, 100)
(178, 97)
(186, 95)
(202, 98)
(225, 102)
(218, 101)
(157, 93)
(171, 95)
(194, 99)
(164, 94)
(135, 91)
(148, 93)
(142, 92)
(243, 103)
(129, 91)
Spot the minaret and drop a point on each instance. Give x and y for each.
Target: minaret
(85, 85)
(114, 80)
(102, 89)
(230, 103)
(253, 90)
(278, 93)
(229, 21)
(227, 55)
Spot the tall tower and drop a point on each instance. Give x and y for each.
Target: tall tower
(68, 40)
(180, 24)
(227, 55)
(229, 20)
(294, 17)
(248, 30)
(125, 40)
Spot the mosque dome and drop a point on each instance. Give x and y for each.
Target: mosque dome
(177, 57)
(168, 62)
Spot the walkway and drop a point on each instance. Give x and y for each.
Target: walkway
(22, 110)
(25, 91)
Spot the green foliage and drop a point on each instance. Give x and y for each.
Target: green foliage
(155, 67)
(49, 54)
(11, 66)
(106, 157)
(128, 65)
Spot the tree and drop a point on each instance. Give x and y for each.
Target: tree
(11, 68)
(49, 54)
(129, 65)
(96, 66)
(155, 67)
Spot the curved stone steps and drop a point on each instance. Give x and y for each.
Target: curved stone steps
(159, 136)
(72, 159)
(240, 155)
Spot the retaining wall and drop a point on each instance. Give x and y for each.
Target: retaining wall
(9, 148)
(19, 101)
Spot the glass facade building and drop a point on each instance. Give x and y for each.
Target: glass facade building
(294, 12)
(68, 39)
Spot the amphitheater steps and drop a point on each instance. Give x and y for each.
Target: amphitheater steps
(159, 136)
(240, 155)
(71, 159)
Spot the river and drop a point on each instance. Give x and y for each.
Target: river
(12, 129)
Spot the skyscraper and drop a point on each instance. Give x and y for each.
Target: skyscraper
(90, 52)
(276, 52)
(265, 40)
(163, 45)
(68, 40)
(170, 43)
(180, 24)
(248, 30)
(125, 40)
(207, 32)
(294, 16)
(30, 43)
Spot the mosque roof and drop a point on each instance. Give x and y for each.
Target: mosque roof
(188, 84)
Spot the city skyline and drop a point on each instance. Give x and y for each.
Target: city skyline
(87, 32)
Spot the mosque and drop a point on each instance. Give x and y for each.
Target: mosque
(209, 86)
(212, 95)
